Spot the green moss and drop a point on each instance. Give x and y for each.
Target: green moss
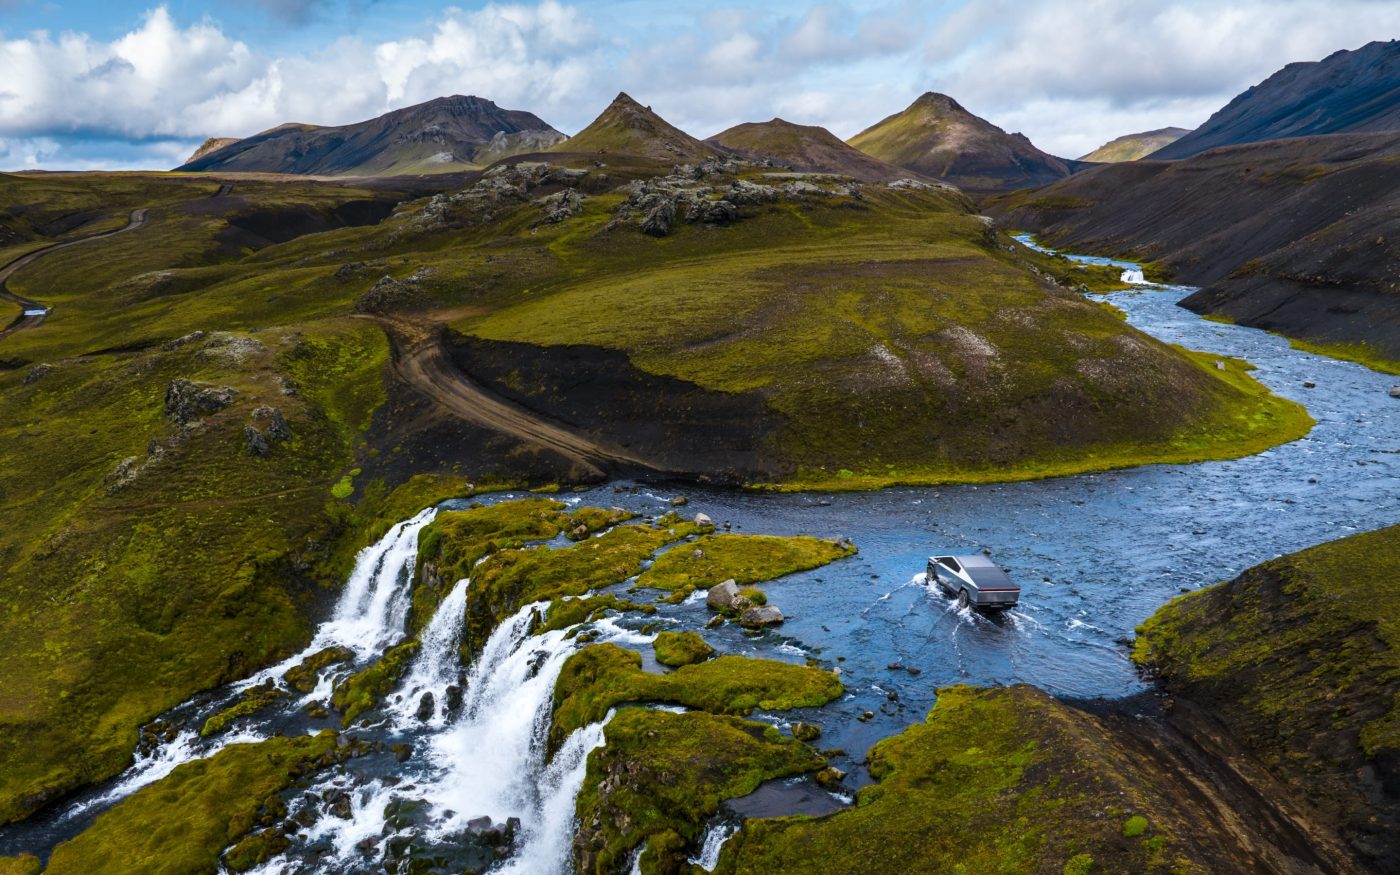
(344, 487)
(1361, 353)
(564, 612)
(1300, 658)
(1004, 780)
(681, 648)
(367, 687)
(254, 699)
(1079, 864)
(661, 773)
(1134, 826)
(754, 594)
(742, 558)
(255, 849)
(302, 677)
(24, 864)
(182, 823)
(507, 580)
(587, 520)
(602, 676)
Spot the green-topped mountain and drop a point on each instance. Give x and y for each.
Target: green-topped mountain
(940, 139)
(628, 128)
(804, 148)
(449, 133)
(1131, 147)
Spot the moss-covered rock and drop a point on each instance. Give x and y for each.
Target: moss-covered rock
(1004, 780)
(565, 612)
(659, 772)
(253, 700)
(181, 824)
(256, 848)
(681, 648)
(510, 579)
(741, 558)
(24, 864)
(451, 545)
(302, 677)
(1300, 658)
(366, 688)
(604, 675)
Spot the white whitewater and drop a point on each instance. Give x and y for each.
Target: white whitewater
(1134, 275)
(437, 665)
(715, 838)
(368, 617)
(491, 759)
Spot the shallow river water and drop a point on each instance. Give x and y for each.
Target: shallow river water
(1095, 554)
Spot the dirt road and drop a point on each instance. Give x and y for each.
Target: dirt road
(421, 359)
(33, 313)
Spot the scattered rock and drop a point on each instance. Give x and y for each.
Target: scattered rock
(1220, 366)
(186, 340)
(831, 775)
(233, 348)
(388, 295)
(697, 553)
(806, 731)
(715, 621)
(426, 706)
(704, 520)
(580, 532)
(186, 401)
(722, 595)
(561, 205)
(1395, 391)
(660, 219)
(453, 698)
(680, 501)
(767, 615)
(256, 443)
(866, 717)
(277, 427)
(125, 472)
(1309, 384)
(37, 373)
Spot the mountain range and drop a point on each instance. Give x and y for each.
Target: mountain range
(1131, 147)
(1346, 92)
(449, 133)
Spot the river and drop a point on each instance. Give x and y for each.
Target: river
(1095, 554)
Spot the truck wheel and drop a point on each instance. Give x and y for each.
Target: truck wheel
(963, 600)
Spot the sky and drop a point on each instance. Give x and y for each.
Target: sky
(116, 85)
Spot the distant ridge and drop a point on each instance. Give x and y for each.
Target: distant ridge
(1346, 92)
(805, 148)
(1131, 147)
(628, 128)
(449, 133)
(936, 137)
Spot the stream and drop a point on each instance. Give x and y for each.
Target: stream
(1096, 554)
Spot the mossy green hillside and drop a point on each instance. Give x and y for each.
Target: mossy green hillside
(660, 773)
(743, 558)
(603, 676)
(1005, 780)
(181, 824)
(24, 864)
(1300, 658)
(681, 648)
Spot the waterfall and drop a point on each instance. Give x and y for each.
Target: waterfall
(715, 838)
(1134, 275)
(436, 666)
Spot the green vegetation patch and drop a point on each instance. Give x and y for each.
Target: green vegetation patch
(302, 677)
(254, 699)
(742, 558)
(510, 579)
(367, 687)
(564, 612)
(1361, 353)
(182, 823)
(1002, 780)
(24, 864)
(681, 648)
(604, 675)
(1299, 658)
(663, 773)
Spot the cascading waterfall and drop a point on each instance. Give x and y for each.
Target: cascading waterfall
(369, 616)
(715, 838)
(1134, 275)
(491, 759)
(436, 666)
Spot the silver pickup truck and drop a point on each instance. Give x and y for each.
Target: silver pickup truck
(975, 581)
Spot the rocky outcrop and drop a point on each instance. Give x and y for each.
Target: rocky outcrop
(757, 617)
(389, 295)
(187, 401)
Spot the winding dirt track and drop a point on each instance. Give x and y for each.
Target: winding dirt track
(27, 319)
(421, 359)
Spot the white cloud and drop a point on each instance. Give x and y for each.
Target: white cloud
(1068, 73)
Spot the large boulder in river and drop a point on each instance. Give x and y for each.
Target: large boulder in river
(722, 595)
(766, 615)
